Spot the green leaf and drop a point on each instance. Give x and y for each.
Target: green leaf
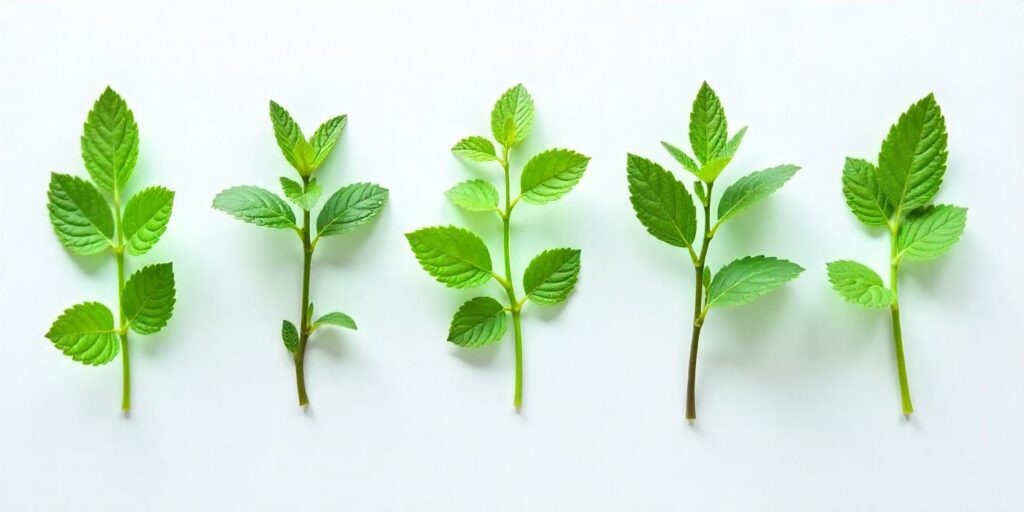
(256, 206)
(708, 128)
(748, 278)
(304, 158)
(754, 187)
(336, 318)
(350, 207)
(551, 276)
(478, 322)
(859, 284)
(80, 216)
(474, 195)
(289, 335)
(286, 131)
(512, 117)
(110, 142)
(865, 199)
(661, 202)
(145, 218)
(305, 199)
(931, 231)
(710, 171)
(733, 145)
(325, 138)
(476, 149)
(85, 332)
(913, 156)
(148, 298)
(702, 195)
(706, 277)
(682, 158)
(551, 174)
(454, 256)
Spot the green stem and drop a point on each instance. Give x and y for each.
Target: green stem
(304, 330)
(698, 316)
(506, 220)
(897, 332)
(126, 371)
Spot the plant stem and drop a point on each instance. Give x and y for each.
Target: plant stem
(300, 350)
(698, 320)
(897, 332)
(517, 326)
(126, 371)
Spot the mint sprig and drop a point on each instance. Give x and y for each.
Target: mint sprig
(460, 259)
(347, 209)
(897, 194)
(666, 208)
(83, 222)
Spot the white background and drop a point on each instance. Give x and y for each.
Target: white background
(797, 393)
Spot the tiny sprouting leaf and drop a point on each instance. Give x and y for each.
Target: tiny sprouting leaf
(865, 199)
(708, 128)
(478, 322)
(474, 196)
(710, 171)
(304, 158)
(512, 117)
(748, 278)
(289, 335)
(80, 215)
(256, 206)
(85, 332)
(702, 195)
(110, 142)
(681, 157)
(733, 145)
(662, 203)
(931, 231)
(752, 188)
(552, 275)
(336, 318)
(305, 199)
(145, 218)
(453, 256)
(147, 301)
(286, 131)
(350, 207)
(551, 174)
(476, 149)
(913, 156)
(309, 314)
(858, 284)
(706, 277)
(325, 138)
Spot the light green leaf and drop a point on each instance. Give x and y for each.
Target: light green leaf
(859, 285)
(286, 131)
(931, 231)
(708, 128)
(865, 199)
(512, 117)
(350, 207)
(552, 275)
(304, 158)
(305, 199)
(454, 256)
(80, 216)
(476, 149)
(681, 157)
(754, 187)
(110, 142)
(325, 138)
(145, 218)
(85, 332)
(336, 318)
(662, 203)
(551, 174)
(710, 171)
(256, 206)
(478, 322)
(748, 278)
(702, 195)
(474, 195)
(148, 298)
(733, 145)
(289, 335)
(913, 156)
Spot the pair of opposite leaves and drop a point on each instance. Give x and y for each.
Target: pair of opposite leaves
(460, 259)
